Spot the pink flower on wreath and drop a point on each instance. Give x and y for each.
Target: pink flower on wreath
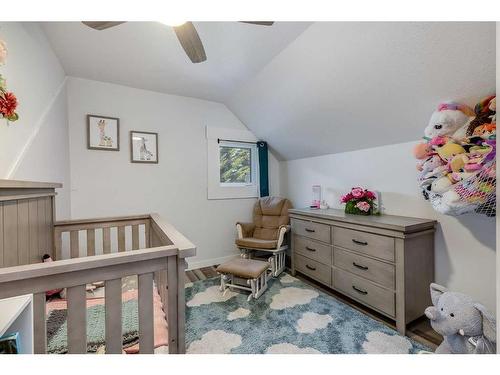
(363, 206)
(358, 192)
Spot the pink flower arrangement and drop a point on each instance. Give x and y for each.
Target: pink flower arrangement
(358, 193)
(359, 201)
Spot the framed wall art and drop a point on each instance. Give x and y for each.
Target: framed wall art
(103, 133)
(143, 147)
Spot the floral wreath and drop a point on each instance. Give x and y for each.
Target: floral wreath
(8, 101)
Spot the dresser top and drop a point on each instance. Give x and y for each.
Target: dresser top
(392, 222)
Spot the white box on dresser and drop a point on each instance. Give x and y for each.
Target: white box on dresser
(385, 262)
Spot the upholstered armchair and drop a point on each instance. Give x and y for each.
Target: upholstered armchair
(267, 232)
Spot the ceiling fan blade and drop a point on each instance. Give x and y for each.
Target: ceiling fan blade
(260, 23)
(191, 42)
(102, 25)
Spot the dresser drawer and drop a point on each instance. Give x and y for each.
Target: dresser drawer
(316, 231)
(313, 250)
(314, 269)
(367, 243)
(368, 268)
(364, 291)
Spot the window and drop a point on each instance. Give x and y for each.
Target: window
(237, 164)
(232, 166)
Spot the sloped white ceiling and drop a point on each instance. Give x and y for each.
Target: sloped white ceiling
(148, 55)
(307, 89)
(347, 86)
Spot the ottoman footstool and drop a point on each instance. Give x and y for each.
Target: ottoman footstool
(254, 272)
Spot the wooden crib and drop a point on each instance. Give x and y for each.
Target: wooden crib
(85, 251)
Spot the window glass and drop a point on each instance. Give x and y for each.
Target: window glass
(235, 165)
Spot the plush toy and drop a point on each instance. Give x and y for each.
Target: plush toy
(450, 203)
(444, 122)
(460, 148)
(422, 151)
(467, 327)
(441, 184)
(449, 150)
(447, 119)
(484, 112)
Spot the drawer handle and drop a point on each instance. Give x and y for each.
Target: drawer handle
(362, 243)
(310, 248)
(310, 268)
(364, 268)
(360, 291)
(310, 230)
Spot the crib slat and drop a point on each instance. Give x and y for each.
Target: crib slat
(172, 308)
(135, 237)
(181, 306)
(90, 242)
(58, 244)
(77, 320)
(74, 244)
(106, 240)
(146, 319)
(121, 238)
(39, 324)
(113, 305)
(147, 229)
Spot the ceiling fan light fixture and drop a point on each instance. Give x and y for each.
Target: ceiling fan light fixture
(173, 23)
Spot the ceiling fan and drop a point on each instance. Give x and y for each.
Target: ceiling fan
(186, 33)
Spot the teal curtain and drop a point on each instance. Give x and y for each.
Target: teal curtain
(263, 169)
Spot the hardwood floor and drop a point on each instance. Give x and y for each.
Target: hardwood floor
(420, 330)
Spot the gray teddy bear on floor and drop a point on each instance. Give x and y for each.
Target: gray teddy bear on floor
(467, 327)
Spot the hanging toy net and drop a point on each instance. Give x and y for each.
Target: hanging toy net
(474, 194)
(458, 171)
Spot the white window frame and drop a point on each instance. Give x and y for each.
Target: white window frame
(216, 189)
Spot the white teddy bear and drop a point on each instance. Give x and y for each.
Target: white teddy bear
(447, 119)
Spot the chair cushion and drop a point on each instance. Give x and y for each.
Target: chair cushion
(269, 214)
(245, 268)
(256, 243)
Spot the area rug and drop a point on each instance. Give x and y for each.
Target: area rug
(290, 317)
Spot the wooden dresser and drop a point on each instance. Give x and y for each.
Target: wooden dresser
(384, 262)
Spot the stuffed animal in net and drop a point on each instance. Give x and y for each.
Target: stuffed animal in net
(466, 326)
(458, 163)
(444, 122)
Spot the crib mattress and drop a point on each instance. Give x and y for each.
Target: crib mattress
(56, 321)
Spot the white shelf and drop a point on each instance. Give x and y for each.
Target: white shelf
(16, 315)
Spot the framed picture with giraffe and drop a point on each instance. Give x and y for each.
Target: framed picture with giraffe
(143, 147)
(103, 133)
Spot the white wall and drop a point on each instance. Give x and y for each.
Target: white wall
(36, 146)
(465, 246)
(105, 183)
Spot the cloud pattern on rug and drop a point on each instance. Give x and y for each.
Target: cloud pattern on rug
(290, 317)
(291, 296)
(210, 295)
(287, 348)
(382, 343)
(238, 314)
(311, 321)
(215, 342)
(287, 279)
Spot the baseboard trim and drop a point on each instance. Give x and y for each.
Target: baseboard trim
(209, 262)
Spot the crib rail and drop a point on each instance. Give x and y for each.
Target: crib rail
(163, 260)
